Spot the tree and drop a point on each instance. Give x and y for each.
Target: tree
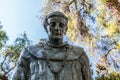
(3, 37)
(11, 54)
(3, 40)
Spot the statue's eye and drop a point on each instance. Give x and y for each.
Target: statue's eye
(62, 24)
(52, 24)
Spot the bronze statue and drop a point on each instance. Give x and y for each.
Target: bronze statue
(53, 59)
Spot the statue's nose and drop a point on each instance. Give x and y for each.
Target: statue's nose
(57, 27)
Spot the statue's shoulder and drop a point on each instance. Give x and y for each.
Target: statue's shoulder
(77, 49)
(81, 52)
(75, 52)
(34, 51)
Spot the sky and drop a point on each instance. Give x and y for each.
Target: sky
(19, 16)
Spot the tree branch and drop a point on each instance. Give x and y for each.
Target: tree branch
(109, 51)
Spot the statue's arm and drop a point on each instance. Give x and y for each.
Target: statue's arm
(20, 72)
(85, 67)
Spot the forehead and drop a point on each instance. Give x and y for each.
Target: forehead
(57, 19)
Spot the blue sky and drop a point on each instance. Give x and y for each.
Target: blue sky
(18, 16)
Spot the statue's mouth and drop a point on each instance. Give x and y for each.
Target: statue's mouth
(57, 33)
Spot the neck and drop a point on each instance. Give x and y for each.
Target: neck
(55, 42)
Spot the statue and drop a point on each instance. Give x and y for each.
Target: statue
(53, 59)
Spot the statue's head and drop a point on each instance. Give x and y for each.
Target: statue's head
(55, 24)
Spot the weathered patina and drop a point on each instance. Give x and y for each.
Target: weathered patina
(53, 59)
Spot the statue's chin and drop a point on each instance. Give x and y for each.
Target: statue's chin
(57, 37)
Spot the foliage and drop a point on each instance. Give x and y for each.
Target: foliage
(3, 37)
(12, 52)
(111, 76)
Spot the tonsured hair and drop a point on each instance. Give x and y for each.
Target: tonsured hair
(53, 14)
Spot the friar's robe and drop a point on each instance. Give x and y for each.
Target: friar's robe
(49, 63)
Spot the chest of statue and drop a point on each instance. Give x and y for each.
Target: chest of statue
(55, 64)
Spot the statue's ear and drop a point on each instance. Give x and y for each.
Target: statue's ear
(45, 23)
(65, 30)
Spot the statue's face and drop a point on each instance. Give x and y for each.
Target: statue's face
(56, 27)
